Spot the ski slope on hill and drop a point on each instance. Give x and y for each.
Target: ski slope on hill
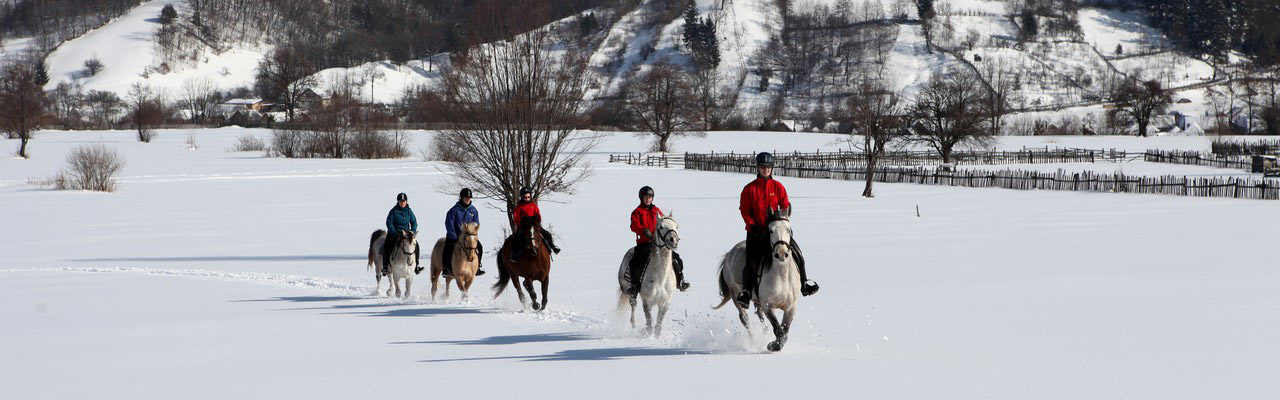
(216, 274)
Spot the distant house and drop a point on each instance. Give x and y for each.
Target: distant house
(227, 108)
(310, 99)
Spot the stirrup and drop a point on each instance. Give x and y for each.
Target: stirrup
(479, 271)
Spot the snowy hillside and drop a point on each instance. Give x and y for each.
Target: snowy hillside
(216, 274)
(127, 49)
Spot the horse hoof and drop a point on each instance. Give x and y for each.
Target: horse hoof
(775, 346)
(536, 307)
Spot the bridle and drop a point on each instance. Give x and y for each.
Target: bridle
(462, 241)
(406, 252)
(663, 239)
(785, 244)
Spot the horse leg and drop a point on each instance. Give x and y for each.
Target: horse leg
(787, 317)
(447, 281)
(633, 312)
(435, 281)
(648, 318)
(408, 285)
(662, 313)
(742, 316)
(465, 287)
(779, 335)
(515, 283)
(544, 292)
(533, 296)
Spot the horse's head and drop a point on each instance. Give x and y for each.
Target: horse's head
(408, 243)
(780, 233)
(533, 232)
(667, 234)
(470, 239)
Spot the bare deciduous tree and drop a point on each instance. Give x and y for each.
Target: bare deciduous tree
(512, 107)
(283, 77)
(661, 102)
(950, 112)
(876, 114)
(1141, 101)
(22, 105)
(198, 94)
(146, 110)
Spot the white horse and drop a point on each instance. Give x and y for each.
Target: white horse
(403, 261)
(659, 282)
(779, 283)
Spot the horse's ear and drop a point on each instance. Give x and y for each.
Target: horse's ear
(786, 212)
(672, 215)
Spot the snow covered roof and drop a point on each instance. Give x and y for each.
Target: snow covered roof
(242, 102)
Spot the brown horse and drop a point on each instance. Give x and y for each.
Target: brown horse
(533, 265)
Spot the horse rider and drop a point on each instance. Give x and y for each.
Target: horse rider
(528, 208)
(460, 214)
(400, 218)
(759, 198)
(644, 222)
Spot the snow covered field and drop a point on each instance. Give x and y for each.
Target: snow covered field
(214, 274)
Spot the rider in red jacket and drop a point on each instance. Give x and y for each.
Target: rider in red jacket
(524, 211)
(761, 196)
(644, 222)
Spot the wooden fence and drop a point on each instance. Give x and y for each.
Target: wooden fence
(664, 160)
(846, 159)
(1198, 158)
(1243, 148)
(1229, 187)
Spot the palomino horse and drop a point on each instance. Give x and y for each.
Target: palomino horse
(403, 260)
(779, 284)
(466, 260)
(658, 283)
(533, 265)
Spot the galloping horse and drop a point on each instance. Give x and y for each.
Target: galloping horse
(779, 287)
(466, 260)
(403, 258)
(658, 283)
(534, 263)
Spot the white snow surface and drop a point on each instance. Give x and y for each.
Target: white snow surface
(216, 274)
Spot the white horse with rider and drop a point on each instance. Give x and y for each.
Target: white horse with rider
(658, 283)
(779, 283)
(403, 261)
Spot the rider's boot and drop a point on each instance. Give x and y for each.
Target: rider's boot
(479, 259)
(551, 242)
(808, 287)
(386, 257)
(446, 258)
(677, 264)
(417, 259)
(639, 258)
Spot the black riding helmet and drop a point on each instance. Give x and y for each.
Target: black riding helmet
(465, 193)
(402, 197)
(764, 159)
(525, 190)
(645, 191)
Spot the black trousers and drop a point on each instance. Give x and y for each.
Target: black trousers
(758, 252)
(447, 257)
(640, 260)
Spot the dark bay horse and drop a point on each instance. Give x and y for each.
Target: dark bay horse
(534, 263)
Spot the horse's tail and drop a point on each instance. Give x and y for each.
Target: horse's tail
(624, 301)
(724, 292)
(503, 275)
(372, 239)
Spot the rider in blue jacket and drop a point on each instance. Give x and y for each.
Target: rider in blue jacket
(400, 218)
(460, 214)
